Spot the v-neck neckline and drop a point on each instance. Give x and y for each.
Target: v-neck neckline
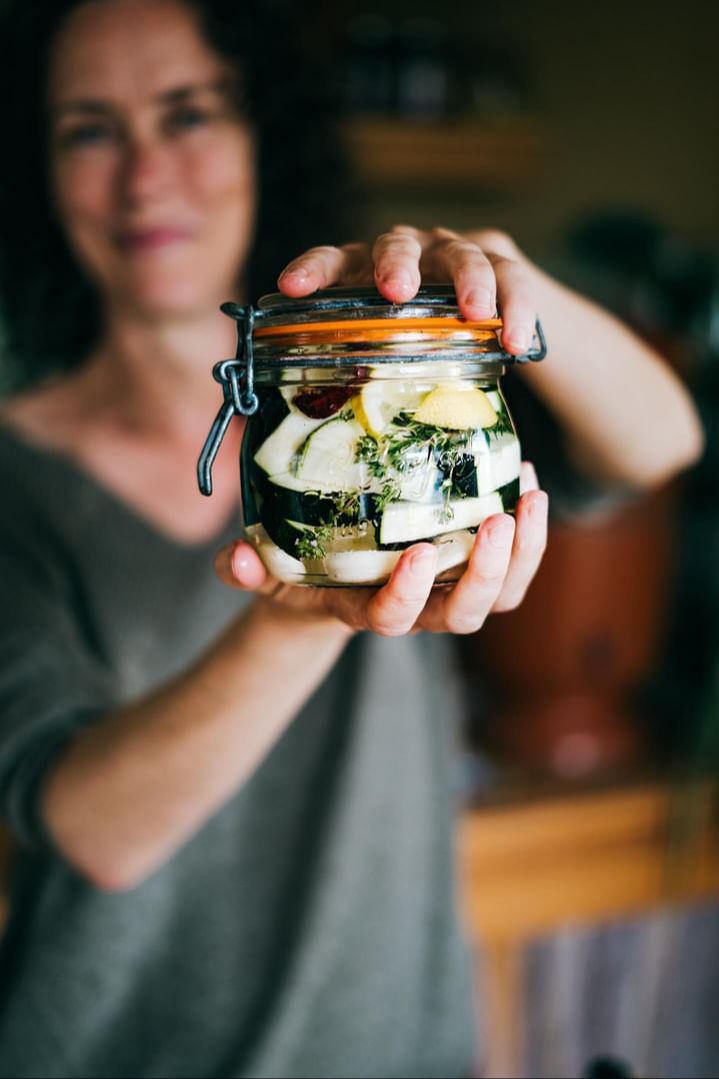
(67, 462)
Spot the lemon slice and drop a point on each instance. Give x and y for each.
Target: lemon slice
(379, 401)
(457, 408)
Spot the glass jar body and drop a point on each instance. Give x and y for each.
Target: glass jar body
(344, 467)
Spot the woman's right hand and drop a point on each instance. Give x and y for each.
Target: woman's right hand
(504, 559)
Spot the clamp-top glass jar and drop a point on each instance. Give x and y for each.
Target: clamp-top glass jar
(371, 426)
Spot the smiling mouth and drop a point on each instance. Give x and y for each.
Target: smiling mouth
(133, 240)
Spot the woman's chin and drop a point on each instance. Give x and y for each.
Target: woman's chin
(173, 299)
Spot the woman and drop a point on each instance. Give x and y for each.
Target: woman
(233, 809)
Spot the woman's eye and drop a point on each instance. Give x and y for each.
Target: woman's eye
(186, 119)
(85, 135)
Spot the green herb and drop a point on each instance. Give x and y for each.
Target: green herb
(368, 453)
(312, 542)
(503, 426)
(406, 435)
(346, 504)
(389, 492)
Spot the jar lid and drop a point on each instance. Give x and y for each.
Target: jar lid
(361, 316)
(331, 327)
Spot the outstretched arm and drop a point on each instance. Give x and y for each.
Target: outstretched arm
(628, 418)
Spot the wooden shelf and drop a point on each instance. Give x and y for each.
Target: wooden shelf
(536, 867)
(533, 868)
(460, 154)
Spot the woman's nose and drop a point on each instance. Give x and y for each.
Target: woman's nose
(147, 171)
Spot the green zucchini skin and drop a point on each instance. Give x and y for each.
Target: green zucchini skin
(272, 411)
(270, 414)
(464, 477)
(274, 506)
(510, 495)
(309, 507)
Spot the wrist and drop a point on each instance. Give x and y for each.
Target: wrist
(285, 618)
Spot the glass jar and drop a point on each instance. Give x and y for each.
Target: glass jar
(371, 426)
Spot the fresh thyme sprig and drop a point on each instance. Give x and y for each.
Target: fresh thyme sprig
(368, 453)
(346, 506)
(313, 539)
(406, 435)
(503, 426)
(389, 492)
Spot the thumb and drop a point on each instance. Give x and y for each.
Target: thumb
(239, 566)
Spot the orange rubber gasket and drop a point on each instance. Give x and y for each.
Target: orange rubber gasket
(377, 328)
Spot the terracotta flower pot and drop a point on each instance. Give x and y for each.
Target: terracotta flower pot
(561, 668)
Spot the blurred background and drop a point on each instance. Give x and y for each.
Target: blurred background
(588, 847)
(589, 855)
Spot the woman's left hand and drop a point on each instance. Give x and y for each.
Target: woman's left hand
(504, 559)
(486, 268)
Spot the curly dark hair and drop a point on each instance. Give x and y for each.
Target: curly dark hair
(49, 310)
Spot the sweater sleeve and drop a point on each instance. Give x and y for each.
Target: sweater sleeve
(572, 494)
(50, 684)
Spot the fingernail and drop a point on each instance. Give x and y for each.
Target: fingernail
(481, 299)
(501, 533)
(530, 474)
(539, 504)
(421, 558)
(521, 338)
(242, 559)
(397, 280)
(297, 275)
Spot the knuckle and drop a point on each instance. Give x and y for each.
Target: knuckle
(505, 265)
(394, 618)
(324, 249)
(461, 248)
(398, 241)
(496, 240)
(531, 546)
(439, 232)
(385, 628)
(487, 578)
(354, 248)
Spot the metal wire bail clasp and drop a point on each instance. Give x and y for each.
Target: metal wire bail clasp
(237, 380)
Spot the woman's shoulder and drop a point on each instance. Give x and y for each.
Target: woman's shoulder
(42, 415)
(39, 486)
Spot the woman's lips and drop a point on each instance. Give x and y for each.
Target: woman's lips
(150, 239)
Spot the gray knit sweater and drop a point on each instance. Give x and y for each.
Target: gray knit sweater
(308, 929)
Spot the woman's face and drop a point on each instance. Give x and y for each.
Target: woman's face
(151, 162)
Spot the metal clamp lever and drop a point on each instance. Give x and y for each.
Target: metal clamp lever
(237, 380)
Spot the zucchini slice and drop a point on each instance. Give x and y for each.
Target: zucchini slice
(277, 452)
(326, 461)
(408, 522)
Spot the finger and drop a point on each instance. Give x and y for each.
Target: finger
(466, 607)
(357, 268)
(530, 541)
(394, 609)
(528, 478)
(460, 260)
(396, 256)
(319, 267)
(516, 300)
(239, 566)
